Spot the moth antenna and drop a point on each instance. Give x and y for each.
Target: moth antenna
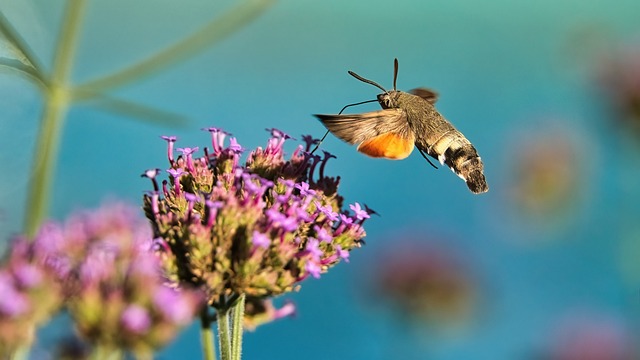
(395, 72)
(426, 158)
(346, 106)
(366, 81)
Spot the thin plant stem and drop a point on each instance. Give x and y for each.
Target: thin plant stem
(26, 71)
(237, 328)
(21, 45)
(66, 49)
(206, 335)
(102, 352)
(223, 333)
(214, 31)
(21, 353)
(55, 109)
(138, 111)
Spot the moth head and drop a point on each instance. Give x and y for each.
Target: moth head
(389, 99)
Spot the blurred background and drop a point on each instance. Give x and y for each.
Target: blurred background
(543, 266)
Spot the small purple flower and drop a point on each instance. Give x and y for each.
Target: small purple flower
(145, 263)
(188, 151)
(250, 186)
(346, 220)
(313, 249)
(359, 212)
(152, 174)
(282, 221)
(343, 254)
(213, 207)
(136, 319)
(155, 209)
(322, 234)
(174, 305)
(160, 245)
(327, 211)
(266, 182)
(170, 141)
(176, 173)
(188, 154)
(234, 146)
(304, 189)
(260, 240)
(217, 139)
(303, 215)
(28, 275)
(278, 134)
(12, 302)
(97, 266)
(191, 198)
(288, 309)
(345, 223)
(313, 268)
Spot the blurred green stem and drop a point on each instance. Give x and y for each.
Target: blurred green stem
(237, 328)
(14, 38)
(102, 352)
(56, 98)
(21, 353)
(214, 31)
(206, 335)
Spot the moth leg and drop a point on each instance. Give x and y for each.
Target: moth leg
(426, 158)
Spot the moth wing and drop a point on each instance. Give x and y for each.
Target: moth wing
(384, 133)
(427, 94)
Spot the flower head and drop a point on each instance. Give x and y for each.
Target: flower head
(276, 221)
(104, 263)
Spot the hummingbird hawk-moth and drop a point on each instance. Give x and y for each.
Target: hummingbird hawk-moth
(409, 119)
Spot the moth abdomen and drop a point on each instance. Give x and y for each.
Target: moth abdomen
(465, 162)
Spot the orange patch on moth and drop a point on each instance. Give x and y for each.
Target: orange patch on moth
(389, 145)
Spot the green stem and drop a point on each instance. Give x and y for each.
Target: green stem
(102, 352)
(44, 159)
(206, 335)
(21, 353)
(237, 329)
(20, 45)
(57, 98)
(66, 49)
(223, 333)
(26, 71)
(212, 32)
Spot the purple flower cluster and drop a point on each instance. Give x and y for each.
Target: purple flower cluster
(109, 279)
(257, 229)
(29, 296)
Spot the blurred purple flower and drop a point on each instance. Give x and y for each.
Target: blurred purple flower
(12, 302)
(261, 240)
(136, 319)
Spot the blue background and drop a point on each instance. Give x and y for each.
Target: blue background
(509, 73)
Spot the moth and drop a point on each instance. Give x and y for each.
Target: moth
(407, 120)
